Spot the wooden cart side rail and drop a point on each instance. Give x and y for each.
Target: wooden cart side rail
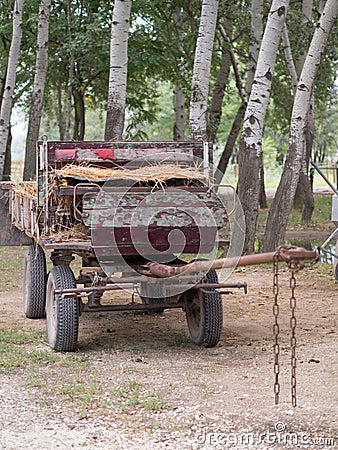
(10, 235)
(108, 152)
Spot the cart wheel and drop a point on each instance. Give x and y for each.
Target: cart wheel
(147, 292)
(204, 314)
(34, 282)
(62, 313)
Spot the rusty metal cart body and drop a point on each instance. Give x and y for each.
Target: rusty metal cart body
(68, 216)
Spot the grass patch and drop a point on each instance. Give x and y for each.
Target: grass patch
(18, 350)
(11, 267)
(155, 402)
(321, 217)
(127, 396)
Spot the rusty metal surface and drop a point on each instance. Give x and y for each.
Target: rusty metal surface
(286, 254)
(129, 307)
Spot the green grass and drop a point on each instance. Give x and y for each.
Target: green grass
(11, 267)
(127, 395)
(19, 349)
(155, 402)
(321, 218)
(130, 395)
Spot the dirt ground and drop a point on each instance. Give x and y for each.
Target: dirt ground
(136, 382)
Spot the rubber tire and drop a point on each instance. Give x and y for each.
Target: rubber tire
(62, 313)
(156, 301)
(204, 314)
(34, 282)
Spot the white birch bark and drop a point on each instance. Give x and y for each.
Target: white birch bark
(250, 149)
(179, 95)
(118, 70)
(41, 66)
(7, 100)
(257, 32)
(201, 71)
(256, 10)
(281, 207)
(289, 58)
(70, 72)
(306, 21)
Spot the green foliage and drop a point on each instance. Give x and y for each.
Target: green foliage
(161, 48)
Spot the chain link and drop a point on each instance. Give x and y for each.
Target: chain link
(293, 323)
(293, 342)
(276, 328)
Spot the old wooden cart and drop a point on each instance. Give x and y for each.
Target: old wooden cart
(116, 224)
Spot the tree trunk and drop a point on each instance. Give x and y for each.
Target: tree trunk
(198, 118)
(218, 95)
(60, 112)
(304, 196)
(179, 95)
(219, 90)
(8, 158)
(257, 30)
(250, 148)
(6, 104)
(40, 74)
(230, 144)
(262, 195)
(70, 73)
(307, 6)
(289, 59)
(79, 116)
(179, 109)
(118, 70)
(281, 206)
(257, 7)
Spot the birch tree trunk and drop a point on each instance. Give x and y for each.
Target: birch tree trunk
(179, 95)
(306, 21)
(118, 70)
(40, 75)
(70, 72)
(198, 118)
(256, 10)
(60, 111)
(7, 100)
(79, 113)
(289, 58)
(257, 32)
(219, 86)
(250, 148)
(304, 196)
(281, 206)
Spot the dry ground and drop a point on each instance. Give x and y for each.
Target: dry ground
(137, 383)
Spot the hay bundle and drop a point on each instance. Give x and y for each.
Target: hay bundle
(25, 189)
(154, 173)
(74, 233)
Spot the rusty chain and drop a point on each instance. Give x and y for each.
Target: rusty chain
(276, 327)
(293, 323)
(294, 267)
